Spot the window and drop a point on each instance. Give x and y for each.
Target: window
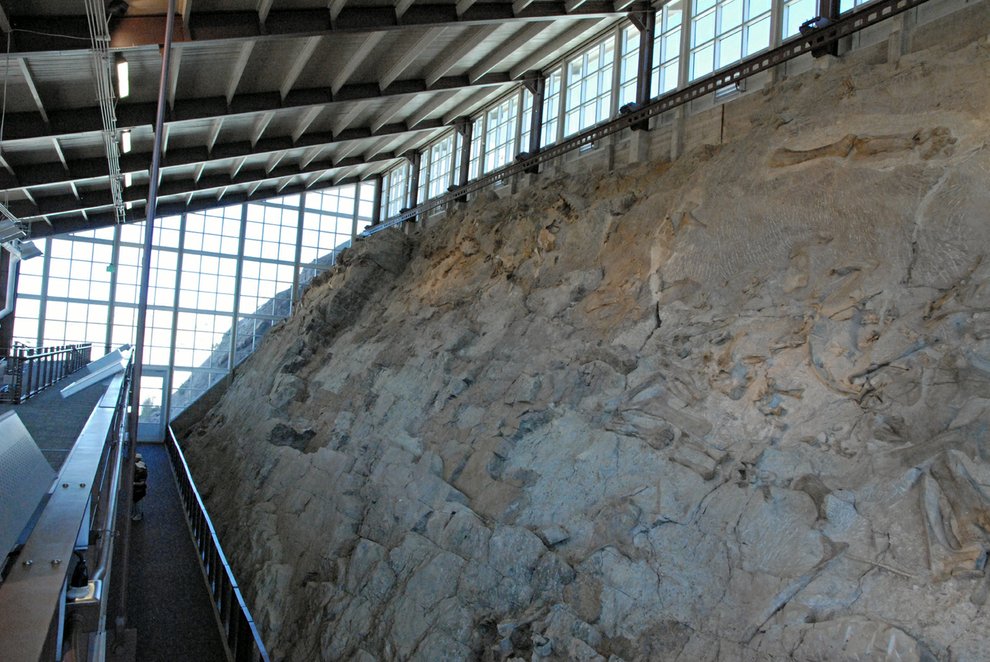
(527, 120)
(628, 65)
(396, 187)
(441, 157)
(797, 12)
(589, 87)
(551, 108)
(667, 48)
(725, 31)
(500, 134)
(477, 140)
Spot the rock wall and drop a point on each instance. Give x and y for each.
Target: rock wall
(730, 407)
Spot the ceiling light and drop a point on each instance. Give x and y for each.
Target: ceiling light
(127, 179)
(23, 249)
(123, 80)
(10, 230)
(125, 141)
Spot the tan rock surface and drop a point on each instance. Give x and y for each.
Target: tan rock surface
(733, 407)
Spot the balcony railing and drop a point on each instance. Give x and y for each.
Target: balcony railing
(240, 634)
(30, 370)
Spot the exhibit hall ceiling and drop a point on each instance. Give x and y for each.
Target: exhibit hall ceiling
(264, 97)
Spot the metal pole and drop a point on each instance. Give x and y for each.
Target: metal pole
(376, 201)
(646, 23)
(132, 421)
(465, 127)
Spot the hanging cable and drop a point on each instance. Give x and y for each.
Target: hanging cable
(103, 65)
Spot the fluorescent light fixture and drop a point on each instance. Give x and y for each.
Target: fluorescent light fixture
(123, 79)
(128, 204)
(10, 230)
(24, 249)
(125, 141)
(127, 179)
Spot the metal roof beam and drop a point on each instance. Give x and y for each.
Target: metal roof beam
(197, 183)
(22, 126)
(70, 33)
(137, 162)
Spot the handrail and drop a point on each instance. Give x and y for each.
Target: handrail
(36, 368)
(38, 621)
(849, 23)
(241, 639)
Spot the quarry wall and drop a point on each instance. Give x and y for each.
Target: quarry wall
(727, 406)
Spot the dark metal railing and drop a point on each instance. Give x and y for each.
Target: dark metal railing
(30, 370)
(240, 634)
(815, 40)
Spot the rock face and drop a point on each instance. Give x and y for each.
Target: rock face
(733, 407)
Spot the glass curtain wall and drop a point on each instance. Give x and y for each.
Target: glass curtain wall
(247, 263)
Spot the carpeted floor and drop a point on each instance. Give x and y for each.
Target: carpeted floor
(167, 598)
(54, 422)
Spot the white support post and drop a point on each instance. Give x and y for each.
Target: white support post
(169, 377)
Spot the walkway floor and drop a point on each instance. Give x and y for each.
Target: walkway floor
(54, 422)
(167, 598)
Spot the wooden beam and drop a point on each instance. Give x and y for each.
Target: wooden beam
(211, 140)
(26, 72)
(173, 74)
(406, 59)
(239, 67)
(428, 108)
(534, 60)
(463, 5)
(264, 6)
(260, 126)
(335, 7)
(344, 120)
(304, 123)
(299, 64)
(507, 48)
(387, 115)
(355, 60)
(401, 7)
(61, 154)
(457, 52)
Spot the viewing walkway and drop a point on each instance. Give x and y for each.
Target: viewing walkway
(168, 601)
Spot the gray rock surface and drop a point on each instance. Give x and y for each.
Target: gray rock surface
(733, 407)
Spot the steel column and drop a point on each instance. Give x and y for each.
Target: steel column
(465, 127)
(238, 276)
(376, 201)
(152, 207)
(646, 23)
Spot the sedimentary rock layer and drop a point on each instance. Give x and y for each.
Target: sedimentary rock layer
(730, 407)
